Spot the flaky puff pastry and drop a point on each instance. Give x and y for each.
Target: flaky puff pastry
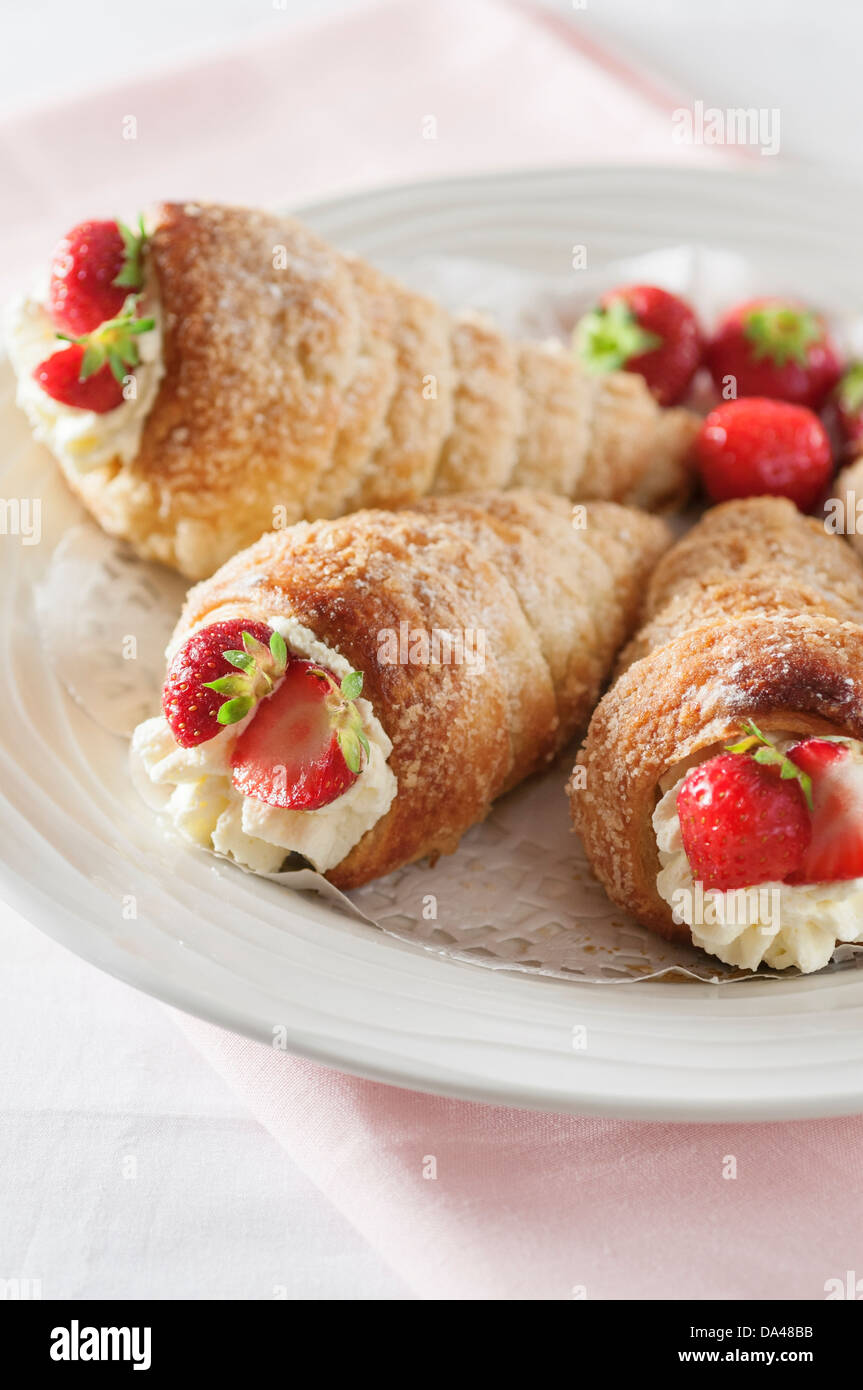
(300, 383)
(751, 616)
(552, 602)
(756, 556)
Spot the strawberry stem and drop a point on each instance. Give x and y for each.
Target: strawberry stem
(113, 342)
(769, 755)
(781, 332)
(260, 668)
(608, 337)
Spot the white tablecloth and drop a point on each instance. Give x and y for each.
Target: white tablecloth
(127, 1169)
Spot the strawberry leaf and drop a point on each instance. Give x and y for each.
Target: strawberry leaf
(131, 274)
(235, 710)
(113, 342)
(352, 685)
(608, 337)
(242, 660)
(255, 648)
(279, 651)
(115, 362)
(782, 333)
(229, 685)
(849, 392)
(260, 668)
(349, 743)
(744, 745)
(92, 361)
(753, 736)
(768, 755)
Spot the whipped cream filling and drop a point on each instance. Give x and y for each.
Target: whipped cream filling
(781, 924)
(82, 439)
(193, 786)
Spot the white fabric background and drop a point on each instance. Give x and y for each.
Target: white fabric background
(790, 54)
(92, 1074)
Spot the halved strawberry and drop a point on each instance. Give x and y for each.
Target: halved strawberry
(60, 378)
(305, 745)
(237, 659)
(94, 267)
(90, 373)
(835, 768)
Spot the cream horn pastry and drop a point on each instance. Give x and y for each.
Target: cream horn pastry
(719, 792)
(359, 691)
(278, 379)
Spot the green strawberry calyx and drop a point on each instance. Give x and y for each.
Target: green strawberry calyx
(113, 342)
(781, 332)
(849, 392)
(131, 276)
(766, 753)
(608, 337)
(345, 719)
(258, 668)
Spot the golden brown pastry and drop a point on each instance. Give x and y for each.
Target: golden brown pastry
(754, 616)
(757, 556)
(539, 606)
(285, 380)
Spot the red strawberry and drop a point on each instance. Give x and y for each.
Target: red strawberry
(239, 659)
(775, 348)
(848, 397)
(93, 269)
(90, 373)
(836, 773)
(304, 746)
(750, 447)
(741, 823)
(644, 329)
(60, 377)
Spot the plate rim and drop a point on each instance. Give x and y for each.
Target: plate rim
(15, 889)
(794, 178)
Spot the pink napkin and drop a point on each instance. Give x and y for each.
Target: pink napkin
(522, 1205)
(532, 1206)
(330, 108)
